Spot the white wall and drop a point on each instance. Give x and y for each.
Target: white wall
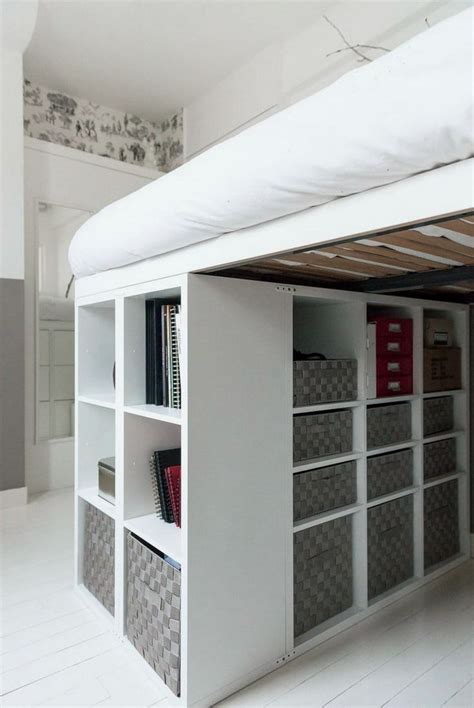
(65, 177)
(290, 70)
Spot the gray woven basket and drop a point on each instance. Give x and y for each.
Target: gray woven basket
(322, 573)
(388, 473)
(441, 522)
(320, 434)
(324, 381)
(438, 416)
(439, 458)
(154, 611)
(327, 488)
(389, 545)
(387, 425)
(98, 571)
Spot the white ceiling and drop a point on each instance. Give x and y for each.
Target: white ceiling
(150, 57)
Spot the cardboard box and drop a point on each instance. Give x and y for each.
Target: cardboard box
(438, 332)
(441, 369)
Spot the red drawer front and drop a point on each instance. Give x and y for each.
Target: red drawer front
(393, 327)
(394, 386)
(394, 366)
(389, 346)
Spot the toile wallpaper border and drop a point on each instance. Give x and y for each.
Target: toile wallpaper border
(77, 123)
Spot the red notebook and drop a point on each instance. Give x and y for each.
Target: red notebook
(173, 480)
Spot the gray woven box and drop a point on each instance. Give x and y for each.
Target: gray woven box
(387, 425)
(441, 522)
(154, 611)
(389, 545)
(320, 434)
(98, 572)
(439, 458)
(389, 473)
(438, 416)
(322, 573)
(327, 488)
(324, 381)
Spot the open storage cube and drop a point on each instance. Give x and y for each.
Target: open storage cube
(322, 489)
(389, 473)
(389, 545)
(154, 610)
(98, 572)
(439, 458)
(388, 425)
(321, 434)
(441, 522)
(438, 415)
(96, 351)
(322, 573)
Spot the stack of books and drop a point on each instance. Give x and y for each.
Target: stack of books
(163, 380)
(165, 469)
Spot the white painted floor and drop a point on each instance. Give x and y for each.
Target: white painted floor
(54, 651)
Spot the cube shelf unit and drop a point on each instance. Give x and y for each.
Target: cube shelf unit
(235, 429)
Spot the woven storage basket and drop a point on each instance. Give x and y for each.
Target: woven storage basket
(322, 573)
(98, 571)
(388, 473)
(320, 434)
(154, 611)
(387, 425)
(441, 522)
(437, 415)
(439, 458)
(324, 381)
(389, 545)
(323, 489)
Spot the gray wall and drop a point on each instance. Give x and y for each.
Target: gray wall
(12, 384)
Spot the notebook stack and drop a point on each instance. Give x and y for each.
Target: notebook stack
(165, 469)
(163, 380)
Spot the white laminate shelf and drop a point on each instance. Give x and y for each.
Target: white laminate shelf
(90, 494)
(392, 399)
(322, 407)
(443, 436)
(326, 516)
(392, 448)
(147, 410)
(406, 491)
(103, 400)
(162, 536)
(326, 461)
(439, 394)
(443, 478)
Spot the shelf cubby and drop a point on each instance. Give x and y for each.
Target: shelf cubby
(96, 351)
(142, 436)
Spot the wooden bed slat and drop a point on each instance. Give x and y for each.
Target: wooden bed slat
(404, 240)
(440, 243)
(340, 264)
(372, 257)
(315, 270)
(421, 263)
(460, 227)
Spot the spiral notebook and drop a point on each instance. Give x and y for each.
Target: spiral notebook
(161, 460)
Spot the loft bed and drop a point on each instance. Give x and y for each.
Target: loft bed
(307, 176)
(249, 295)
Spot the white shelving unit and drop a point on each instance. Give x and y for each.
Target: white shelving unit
(235, 546)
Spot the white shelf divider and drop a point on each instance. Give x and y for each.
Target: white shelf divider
(91, 495)
(159, 534)
(147, 410)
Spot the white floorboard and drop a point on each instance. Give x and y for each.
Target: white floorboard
(54, 650)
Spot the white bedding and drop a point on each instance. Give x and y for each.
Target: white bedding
(407, 112)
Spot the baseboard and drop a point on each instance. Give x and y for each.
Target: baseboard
(13, 497)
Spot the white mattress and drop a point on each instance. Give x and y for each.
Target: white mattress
(407, 112)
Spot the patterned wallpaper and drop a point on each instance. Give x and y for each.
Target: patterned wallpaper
(78, 123)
